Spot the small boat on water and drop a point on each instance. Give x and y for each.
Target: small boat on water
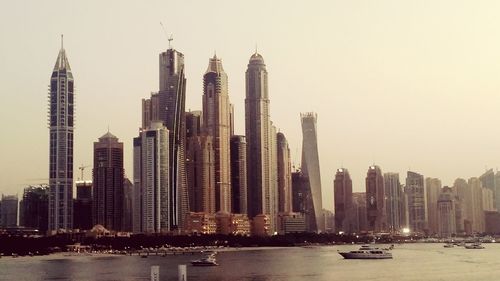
(208, 260)
(474, 246)
(448, 245)
(367, 252)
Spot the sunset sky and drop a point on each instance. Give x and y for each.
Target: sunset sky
(402, 84)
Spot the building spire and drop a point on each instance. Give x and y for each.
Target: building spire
(62, 41)
(256, 48)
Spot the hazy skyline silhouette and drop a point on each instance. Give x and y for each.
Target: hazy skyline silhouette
(400, 84)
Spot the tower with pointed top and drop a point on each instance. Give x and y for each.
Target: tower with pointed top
(61, 128)
(217, 124)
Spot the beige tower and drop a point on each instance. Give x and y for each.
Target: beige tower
(217, 124)
(475, 208)
(432, 190)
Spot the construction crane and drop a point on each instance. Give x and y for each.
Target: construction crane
(82, 168)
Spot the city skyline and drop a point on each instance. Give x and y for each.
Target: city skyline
(343, 133)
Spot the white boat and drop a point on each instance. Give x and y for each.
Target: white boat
(208, 260)
(474, 246)
(448, 245)
(367, 252)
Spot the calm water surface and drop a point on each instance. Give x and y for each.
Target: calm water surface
(410, 262)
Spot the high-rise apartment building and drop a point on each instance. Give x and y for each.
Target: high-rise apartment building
(394, 202)
(151, 181)
(310, 165)
(415, 193)
(128, 205)
(488, 181)
(446, 213)
(257, 131)
(34, 207)
(488, 199)
(375, 200)
(200, 167)
(82, 206)
(433, 191)
(342, 195)
(461, 190)
(108, 176)
(168, 106)
(61, 126)
(216, 123)
(475, 209)
(9, 210)
(171, 110)
(239, 174)
(360, 212)
(284, 175)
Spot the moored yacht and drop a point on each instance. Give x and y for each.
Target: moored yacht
(367, 252)
(208, 260)
(474, 246)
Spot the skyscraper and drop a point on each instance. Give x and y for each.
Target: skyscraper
(342, 195)
(446, 213)
(171, 110)
(475, 210)
(257, 129)
(200, 166)
(461, 190)
(375, 200)
(61, 97)
(108, 177)
(415, 192)
(82, 206)
(433, 189)
(34, 208)
(9, 210)
(239, 174)
(394, 202)
(128, 205)
(284, 175)
(151, 181)
(216, 123)
(360, 211)
(488, 181)
(310, 164)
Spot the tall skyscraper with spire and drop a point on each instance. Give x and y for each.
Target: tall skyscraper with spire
(310, 166)
(61, 126)
(217, 123)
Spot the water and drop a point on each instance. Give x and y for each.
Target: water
(410, 262)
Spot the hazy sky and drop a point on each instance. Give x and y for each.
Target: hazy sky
(403, 84)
